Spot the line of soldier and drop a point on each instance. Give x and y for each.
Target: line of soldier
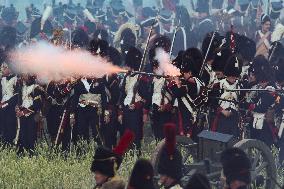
(205, 97)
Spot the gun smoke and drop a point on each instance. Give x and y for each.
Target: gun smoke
(49, 62)
(165, 65)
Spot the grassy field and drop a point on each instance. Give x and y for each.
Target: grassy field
(49, 168)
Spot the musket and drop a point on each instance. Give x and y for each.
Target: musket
(60, 127)
(174, 37)
(260, 90)
(147, 44)
(206, 55)
(146, 73)
(16, 140)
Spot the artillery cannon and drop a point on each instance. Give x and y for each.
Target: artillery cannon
(204, 157)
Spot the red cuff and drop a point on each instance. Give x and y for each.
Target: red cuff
(138, 105)
(146, 111)
(168, 107)
(171, 84)
(251, 107)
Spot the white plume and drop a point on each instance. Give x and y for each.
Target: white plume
(89, 15)
(46, 14)
(278, 32)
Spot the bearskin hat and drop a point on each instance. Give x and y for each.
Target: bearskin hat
(262, 69)
(192, 61)
(133, 58)
(170, 160)
(8, 37)
(80, 38)
(198, 181)
(108, 161)
(233, 66)
(142, 175)
(98, 47)
(236, 165)
(221, 59)
(101, 34)
(162, 41)
(246, 47)
(214, 48)
(36, 28)
(114, 56)
(279, 70)
(177, 62)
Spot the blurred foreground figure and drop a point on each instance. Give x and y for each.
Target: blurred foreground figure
(236, 169)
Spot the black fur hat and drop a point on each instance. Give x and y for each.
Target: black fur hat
(101, 34)
(142, 175)
(114, 56)
(98, 47)
(279, 70)
(80, 38)
(261, 69)
(133, 58)
(233, 66)
(8, 37)
(236, 165)
(214, 48)
(104, 162)
(127, 40)
(178, 60)
(246, 47)
(221, 59)
(162, 41)
(170, 160)
(108, 161)
(36, 28)
(192, 61)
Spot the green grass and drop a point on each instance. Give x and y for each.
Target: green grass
(49, 168)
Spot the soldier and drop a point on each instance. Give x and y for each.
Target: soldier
(30, 105)
(263, 103)
(161, 99)
(212, 53)
(236, 169)
(9, 99)
(170, 161)
(263, 36)
(228, 109)
(106, 163)
(133, 97)
(90, 100)
(187, 90)
(112, 89)
(142, 175)
(279, 68)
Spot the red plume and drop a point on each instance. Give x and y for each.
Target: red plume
(124, 143)
(170, 137)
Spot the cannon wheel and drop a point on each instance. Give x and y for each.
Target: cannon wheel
(262, 161)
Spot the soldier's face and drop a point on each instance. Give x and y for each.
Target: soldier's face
(5, 70)
(166, 181)
(100, 178)
(266, 26)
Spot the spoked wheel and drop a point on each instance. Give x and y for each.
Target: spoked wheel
(187, 148)
(263, 171)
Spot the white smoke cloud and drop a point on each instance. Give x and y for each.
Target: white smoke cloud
(49, 62)
(165, 64)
